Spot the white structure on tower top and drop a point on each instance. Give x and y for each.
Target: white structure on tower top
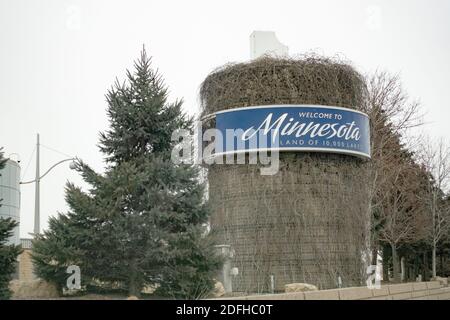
(266, 42)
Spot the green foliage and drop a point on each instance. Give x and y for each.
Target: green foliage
(188, 271)
(142, 222)
(2, 159)
(141, 119)
(8, 253)
(8, 256)
(56, 249)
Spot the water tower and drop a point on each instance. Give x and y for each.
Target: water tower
(10, 195)
(309, 222)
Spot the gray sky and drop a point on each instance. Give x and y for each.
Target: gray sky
(57, 59)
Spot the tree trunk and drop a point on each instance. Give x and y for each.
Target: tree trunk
(385, 263)
(434, 260)
(134, 286)
(415, 268)
(133, 289)
(395, 264)
(374, 255)
(402, 269)
(425, 266)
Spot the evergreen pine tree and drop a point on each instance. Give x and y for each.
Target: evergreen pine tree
(142, 222)
(8, 253)
(67, 241)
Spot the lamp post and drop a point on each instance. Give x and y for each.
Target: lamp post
(37, 191)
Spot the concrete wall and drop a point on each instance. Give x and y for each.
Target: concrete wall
(26, 266)
(432, 290)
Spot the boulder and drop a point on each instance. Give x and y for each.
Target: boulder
(218, 290)
(132, 298)
(442, 281)
(299, 287)
(150, 289)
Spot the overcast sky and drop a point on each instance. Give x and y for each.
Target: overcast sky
(57, 59)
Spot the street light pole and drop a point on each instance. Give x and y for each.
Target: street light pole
(37, 217)
(37, 181)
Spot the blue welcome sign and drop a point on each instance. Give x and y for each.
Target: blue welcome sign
(309, 128)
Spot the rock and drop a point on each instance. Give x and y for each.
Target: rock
(150, 289)
(219, 290)
(299, 287)
(442, 281)
(37, 289)
(132, 298)
(93, 296)
(70, 292)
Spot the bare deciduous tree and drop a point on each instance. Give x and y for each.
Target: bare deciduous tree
(391, 114)
(401, 212)
(435, 159)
